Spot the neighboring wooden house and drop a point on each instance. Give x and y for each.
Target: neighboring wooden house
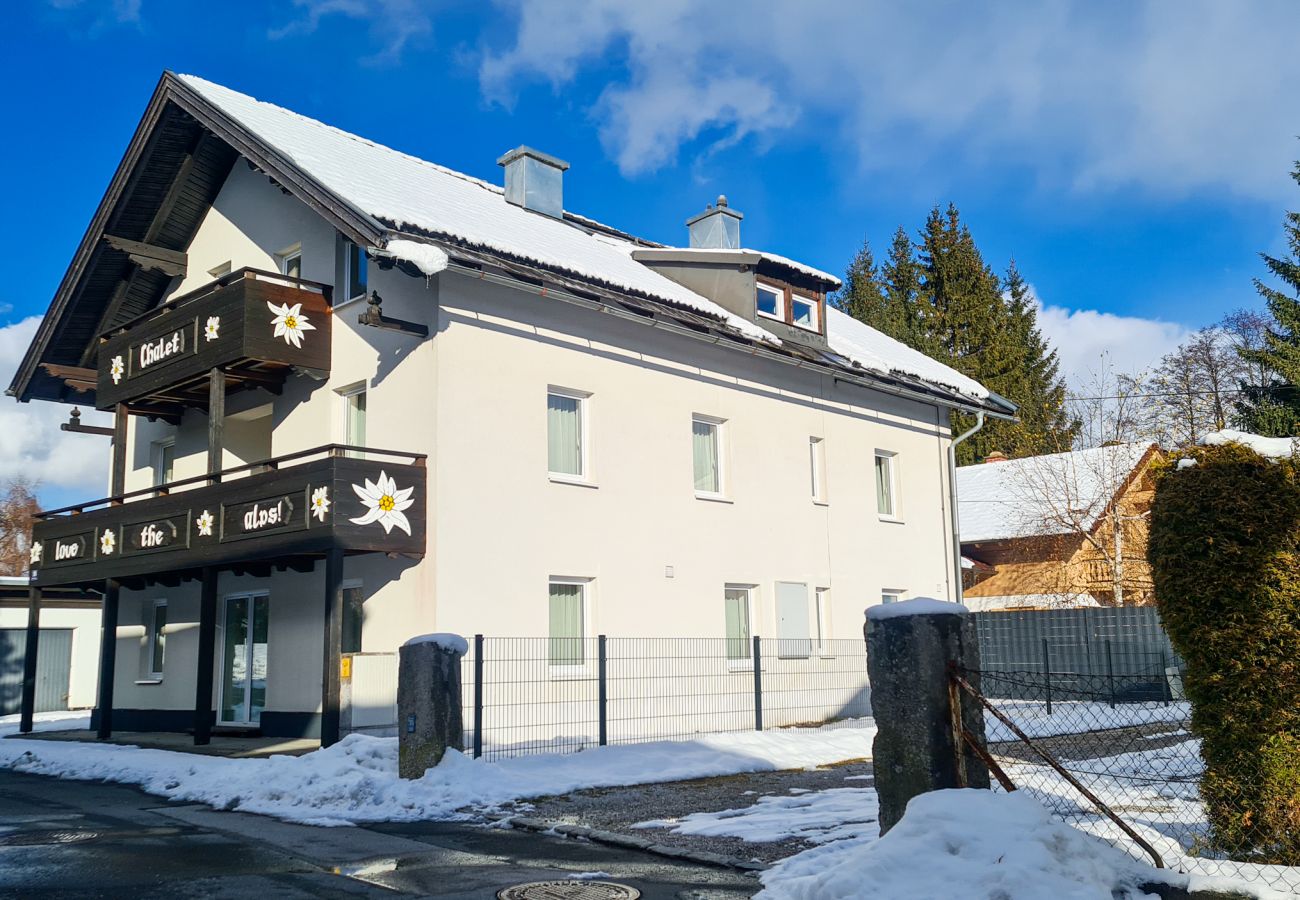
(360, 397)
(1063, 530)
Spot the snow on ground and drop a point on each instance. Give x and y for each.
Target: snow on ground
(62, 720)
(1155, 792)
(1077, 717)
(815, 816)
(356, 779)
(973, 844)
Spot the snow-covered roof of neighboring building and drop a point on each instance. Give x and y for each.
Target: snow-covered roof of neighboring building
(1268, 447)
(423, 198)
(1029, 601)
(1042, 495)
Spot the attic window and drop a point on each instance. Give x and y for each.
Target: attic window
(803, 312)
(770, 302)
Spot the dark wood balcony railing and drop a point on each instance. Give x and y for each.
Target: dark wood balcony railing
(257, 326)
(355, 499)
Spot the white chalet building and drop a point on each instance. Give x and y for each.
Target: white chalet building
(360, 397)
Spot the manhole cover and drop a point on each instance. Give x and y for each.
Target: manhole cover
(569, 890)
(37, 838)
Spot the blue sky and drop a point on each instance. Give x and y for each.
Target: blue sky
(1133, 158)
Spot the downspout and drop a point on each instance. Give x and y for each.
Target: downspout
(952, 498)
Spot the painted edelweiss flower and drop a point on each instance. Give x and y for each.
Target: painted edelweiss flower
(36, 553)
(212, 330)
(320, 502)
(290, 323)
(117, 368)
(204, 522)
(107, 543)
(384, 503)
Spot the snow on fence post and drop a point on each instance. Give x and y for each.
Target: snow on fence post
(910, 647)
(429, 715)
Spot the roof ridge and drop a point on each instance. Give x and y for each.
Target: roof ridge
(486, 185)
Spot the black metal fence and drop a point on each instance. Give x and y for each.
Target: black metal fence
(1133, 755)
(530, 695)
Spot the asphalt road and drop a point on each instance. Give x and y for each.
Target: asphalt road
(83, 839)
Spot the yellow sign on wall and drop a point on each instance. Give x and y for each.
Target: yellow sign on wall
(345, 667)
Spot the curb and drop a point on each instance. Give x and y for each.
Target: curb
(631, 842)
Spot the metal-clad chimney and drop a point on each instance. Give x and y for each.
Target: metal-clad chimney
(717, 228)
(535, 180)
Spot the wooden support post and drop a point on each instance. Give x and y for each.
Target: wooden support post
(333, 648)
(29, 659)
(117, 477)
(207, 656)
(216, 421)
(107, 659)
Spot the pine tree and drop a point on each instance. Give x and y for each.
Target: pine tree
(1274, 408)
(1045, 425)
(900, 278)
(862, 295)
(938, 296)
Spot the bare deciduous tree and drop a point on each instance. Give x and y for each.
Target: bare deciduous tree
(1086, 516)
(1190, 392)
(18, 508)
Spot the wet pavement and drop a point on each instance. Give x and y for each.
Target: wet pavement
(85, 839)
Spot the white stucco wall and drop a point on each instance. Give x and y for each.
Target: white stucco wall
(83, 679)
(473, 397)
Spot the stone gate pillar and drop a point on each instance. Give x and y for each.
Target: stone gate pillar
(909, 648)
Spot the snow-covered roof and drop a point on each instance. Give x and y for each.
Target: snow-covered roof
(1042, 495)
(421, 197)
(1029, 601)
(880, 353)
(1268, 447)
(742, 255)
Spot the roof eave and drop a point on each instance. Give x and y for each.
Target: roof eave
(348, 219)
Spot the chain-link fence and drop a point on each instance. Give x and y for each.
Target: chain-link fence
(1125, 738)
(531, 695)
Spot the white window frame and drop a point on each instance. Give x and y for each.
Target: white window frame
(582, 669)
(151, 641)
(817, 467)
(780, 301)
(345, 395)
(584, 437)
(746, 662)
(816, 307)
(822, 621)
(156, 449)
(720, 439)
(284, 257)
(895, 514)
(898, 594)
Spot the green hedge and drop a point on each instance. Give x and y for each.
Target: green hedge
(1225, 557)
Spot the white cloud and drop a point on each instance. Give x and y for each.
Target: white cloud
(393, 23)
(33, 446)
(1091, 343)
(1170, 97)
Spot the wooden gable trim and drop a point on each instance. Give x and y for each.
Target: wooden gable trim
(352, 222)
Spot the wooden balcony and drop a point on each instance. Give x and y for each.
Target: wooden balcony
(257, 326)
(291, 510)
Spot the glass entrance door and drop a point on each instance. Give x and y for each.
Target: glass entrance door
(243, 659)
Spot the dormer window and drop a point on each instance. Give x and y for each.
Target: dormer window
(784, 305)
(771, 302)
(803, 312)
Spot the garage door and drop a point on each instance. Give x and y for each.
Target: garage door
(53, 665)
